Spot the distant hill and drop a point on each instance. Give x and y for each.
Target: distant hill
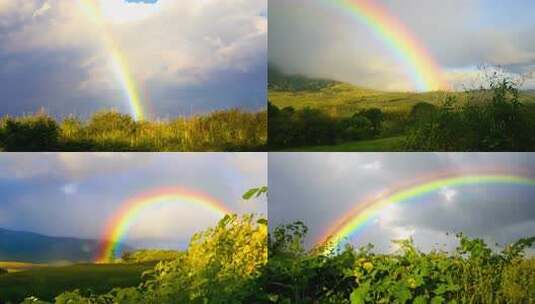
(36, 248)
(280, 81)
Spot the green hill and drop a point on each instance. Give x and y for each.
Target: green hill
(31, 247)
(343, 100)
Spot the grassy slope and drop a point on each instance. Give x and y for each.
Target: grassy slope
(48, 282)
(344, 100)
(19, 266)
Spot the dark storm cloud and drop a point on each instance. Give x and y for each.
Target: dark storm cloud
(318, 188)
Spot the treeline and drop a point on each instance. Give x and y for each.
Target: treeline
(232, 130)
(289, 127)
(490, 119)
(149, 255)
(237, 262)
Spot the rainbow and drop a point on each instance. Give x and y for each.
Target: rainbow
(118, 59)
(365, 212)
(422, 68)
(118, 226)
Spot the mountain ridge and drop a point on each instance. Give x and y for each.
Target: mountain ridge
(31, 247)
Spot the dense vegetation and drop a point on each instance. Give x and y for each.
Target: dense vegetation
(336, 116)
(232, 130)
(472, 274)
(237, 262)
(490, 120)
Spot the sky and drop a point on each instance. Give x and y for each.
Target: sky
(185, 57)
(314, 38)
(75, 194)
(319, 188)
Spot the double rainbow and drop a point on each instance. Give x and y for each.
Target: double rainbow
(117, 228)
(365, 212)
(118, 59)
(420, 65)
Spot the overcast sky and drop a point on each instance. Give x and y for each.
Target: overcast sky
(187, 56)
(75, 194)
(318, 188)
(313, 38)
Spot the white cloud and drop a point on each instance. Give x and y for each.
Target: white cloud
(375, 165)
(70, 188)
(448, 194)
(177, 42)
(42, 10)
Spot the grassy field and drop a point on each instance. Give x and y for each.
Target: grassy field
(110, 131)
(19, 266)
(390, 144)
(344, 100)
(46, 282)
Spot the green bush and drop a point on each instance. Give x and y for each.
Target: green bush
(491, 120)
(376, 118)
(29, 134)
(422, 112)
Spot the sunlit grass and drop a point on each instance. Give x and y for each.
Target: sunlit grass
(231, 130)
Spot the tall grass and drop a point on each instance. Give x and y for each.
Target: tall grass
(230, 130)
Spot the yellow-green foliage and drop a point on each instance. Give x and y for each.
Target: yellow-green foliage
(231, 130)
(218, 266)
(518, 283)
(221, 265)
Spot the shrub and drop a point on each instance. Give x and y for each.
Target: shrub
(376, 118)
(421, 112)
(29, 134)
(491, 120)
(231, 130)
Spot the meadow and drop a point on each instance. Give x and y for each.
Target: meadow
(230, 130)
(46, 282)
(322, 115)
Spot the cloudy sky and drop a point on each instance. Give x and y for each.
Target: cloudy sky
(186, 56)
(318, 188)
(75, 194)
(316, 39)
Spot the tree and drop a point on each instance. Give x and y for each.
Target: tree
(376, 117)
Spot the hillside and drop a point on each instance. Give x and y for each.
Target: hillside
(36, 248)
(343, 100)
